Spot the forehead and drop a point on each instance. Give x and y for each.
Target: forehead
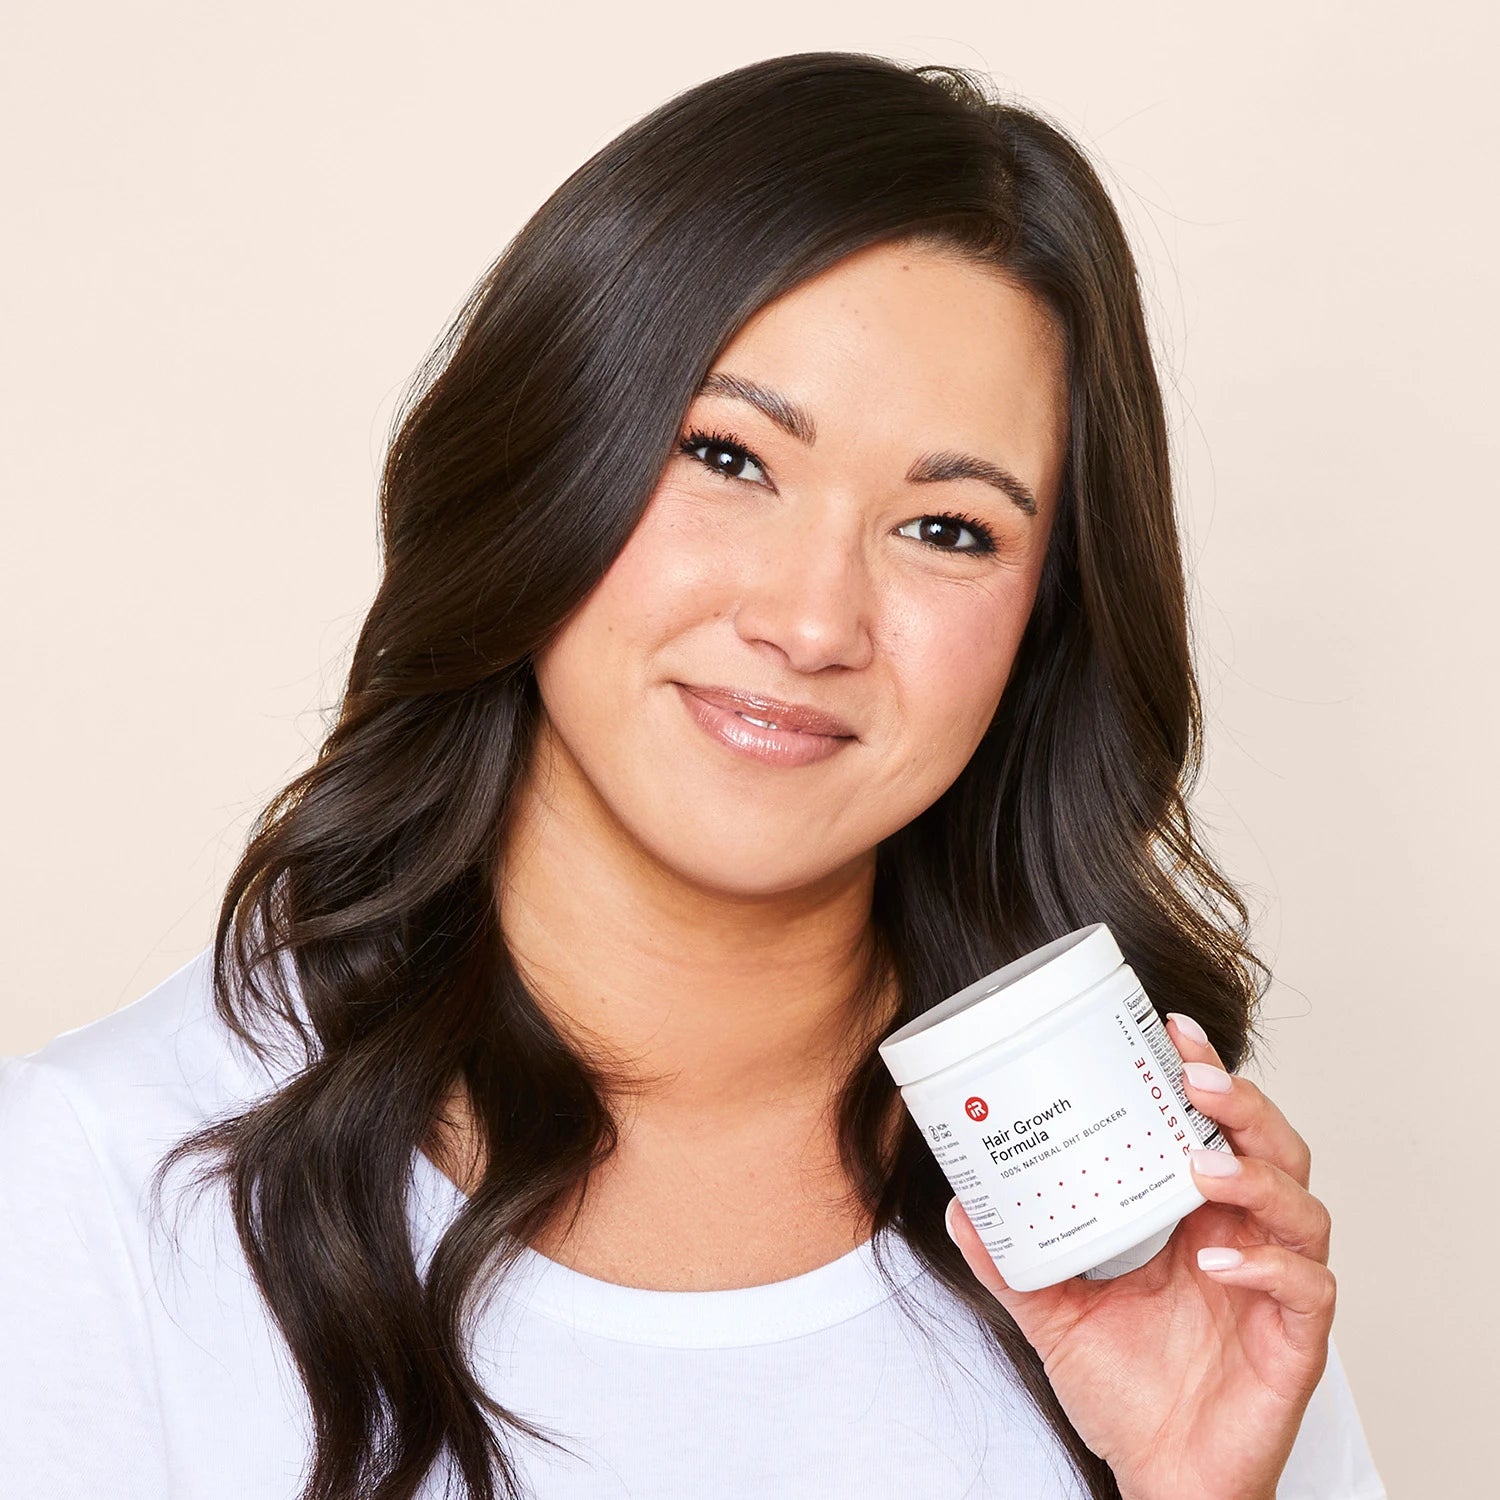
(924, 296)
(906, 343)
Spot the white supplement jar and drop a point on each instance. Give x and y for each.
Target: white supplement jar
(1051, 1096)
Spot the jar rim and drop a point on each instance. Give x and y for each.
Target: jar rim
(1002, 1003)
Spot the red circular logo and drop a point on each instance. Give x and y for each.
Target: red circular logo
(976, 1108)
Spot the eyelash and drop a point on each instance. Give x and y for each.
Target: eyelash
(700, 439)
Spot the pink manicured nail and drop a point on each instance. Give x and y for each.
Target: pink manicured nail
(1205, 1076)
(1218, 1258)
(1188, 1027)
(1214, 1163)
(948, 1220)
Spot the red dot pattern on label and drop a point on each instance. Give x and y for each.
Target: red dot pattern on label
(1083, 1172)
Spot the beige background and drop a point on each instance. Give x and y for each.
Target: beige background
(234, 232)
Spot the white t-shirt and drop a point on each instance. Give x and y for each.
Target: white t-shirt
(133, 1368)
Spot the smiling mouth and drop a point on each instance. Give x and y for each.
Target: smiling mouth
(770, 741)
(771, 714)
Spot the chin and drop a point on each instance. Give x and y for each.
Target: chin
(748, 861)
(747, 872)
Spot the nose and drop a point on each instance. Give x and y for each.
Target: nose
(807, 591)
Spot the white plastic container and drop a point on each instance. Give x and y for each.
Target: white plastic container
(1051, 1096)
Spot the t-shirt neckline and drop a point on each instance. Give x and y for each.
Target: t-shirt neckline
(734, 1317)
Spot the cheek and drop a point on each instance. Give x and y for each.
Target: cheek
(662, 581)
(951, 659)
(666, 574)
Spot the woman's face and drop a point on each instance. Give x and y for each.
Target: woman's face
(817, 567)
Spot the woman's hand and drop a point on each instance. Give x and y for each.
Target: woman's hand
(1191, 1383)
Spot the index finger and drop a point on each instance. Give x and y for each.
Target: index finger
(1251, 1123)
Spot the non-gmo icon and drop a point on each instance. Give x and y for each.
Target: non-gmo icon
(976, 1108)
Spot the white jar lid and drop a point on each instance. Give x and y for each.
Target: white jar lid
(1020, 993)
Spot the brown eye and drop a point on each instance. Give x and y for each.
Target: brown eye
(725, 456)
(934, 530)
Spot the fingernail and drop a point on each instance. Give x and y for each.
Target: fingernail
(1218, 1258)
(1188, 1027)
(948, 1220)
(1205, 1076)
(1214, 1163)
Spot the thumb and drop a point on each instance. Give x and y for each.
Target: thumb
(1031, 1310)
(962, 1232)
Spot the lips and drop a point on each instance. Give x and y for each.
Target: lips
(794, 716)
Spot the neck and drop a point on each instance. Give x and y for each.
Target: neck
(712, 1003)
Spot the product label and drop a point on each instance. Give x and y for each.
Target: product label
(1066, 1141)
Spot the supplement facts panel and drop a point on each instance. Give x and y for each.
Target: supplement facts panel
(1143, 1013)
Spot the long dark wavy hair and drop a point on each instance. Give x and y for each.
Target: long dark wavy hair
(522, 458)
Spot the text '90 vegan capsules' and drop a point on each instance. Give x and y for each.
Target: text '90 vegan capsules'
(1051, 1096)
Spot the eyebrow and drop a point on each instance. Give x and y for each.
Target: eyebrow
(930, 468)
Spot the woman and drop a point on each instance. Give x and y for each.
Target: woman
(782, 624)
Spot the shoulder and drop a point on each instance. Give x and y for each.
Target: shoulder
(105, 1100)
(83, 1123)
